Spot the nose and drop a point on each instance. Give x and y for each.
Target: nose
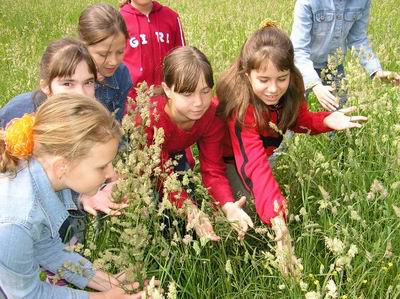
(109, 171)
(80, 90)
(197, 100)
(273, 87)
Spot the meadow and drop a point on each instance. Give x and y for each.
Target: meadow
(343, 191)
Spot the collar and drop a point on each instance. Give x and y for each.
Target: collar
(54, 204)
(109, 81)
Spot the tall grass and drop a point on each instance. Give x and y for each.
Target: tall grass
(343, 191)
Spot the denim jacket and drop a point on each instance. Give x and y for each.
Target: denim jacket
(31, 213)
(17, 107)
(113, 91)
(320, 27)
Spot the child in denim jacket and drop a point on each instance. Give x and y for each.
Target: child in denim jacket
(320, 28)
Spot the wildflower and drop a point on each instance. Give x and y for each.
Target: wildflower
(228, 267)
(334, 245)
(303, 286)
(354, 215)
(396, 210)
(331, 289)
(187, 239)
(281, 286)
(353, 250)
(325, 195)
(313, 295)
(172, 292)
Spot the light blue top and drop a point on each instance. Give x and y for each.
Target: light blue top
(320, 27)
(31, 214)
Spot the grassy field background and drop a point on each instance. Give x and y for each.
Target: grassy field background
(343, 192)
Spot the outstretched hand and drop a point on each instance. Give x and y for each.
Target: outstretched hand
(238, 218)
(198, 220)
(102, 202)
(389, 76)
(339, 120)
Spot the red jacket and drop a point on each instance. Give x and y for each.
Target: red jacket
(252, 148)
(151, 38)
(208, 132)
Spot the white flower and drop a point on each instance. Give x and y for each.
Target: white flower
(313, 295)
(331, 290)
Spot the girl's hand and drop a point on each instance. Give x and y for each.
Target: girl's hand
(102, 201)
(392, 77)
(287, 261)
(338, 120)
(238, 218)
(325, 97)
(200, 222)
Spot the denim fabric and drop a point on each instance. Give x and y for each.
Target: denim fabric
(320, 27)
(31, 214)
(17, 107)
(113, 91)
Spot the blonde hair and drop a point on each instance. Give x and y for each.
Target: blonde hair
(100, 21)
(66, 125)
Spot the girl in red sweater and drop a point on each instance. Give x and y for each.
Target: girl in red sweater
(263, 86)
(187, 113)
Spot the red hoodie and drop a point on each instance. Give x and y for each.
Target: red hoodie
(151, 38)
(208, 132)
(251, 149)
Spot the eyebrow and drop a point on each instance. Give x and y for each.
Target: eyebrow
(266, 77)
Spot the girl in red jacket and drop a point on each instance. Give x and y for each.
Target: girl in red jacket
(154, 30)
(187, 113)
(263, 86)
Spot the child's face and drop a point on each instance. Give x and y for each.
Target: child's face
(268, 83)
(88, 174)
(81, 82)
(188, 107)
(108, 55)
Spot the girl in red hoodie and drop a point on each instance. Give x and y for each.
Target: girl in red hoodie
(261, 87)
(187, 114)
(154, 30)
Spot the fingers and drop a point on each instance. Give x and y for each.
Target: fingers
(347, 110)
(241, 202)
(358, 118)
(90, 210)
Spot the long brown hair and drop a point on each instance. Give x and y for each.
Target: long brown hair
(234, 91)
(67, 125)
(100, 21)
(183, 68)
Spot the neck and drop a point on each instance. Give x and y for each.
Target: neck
(47, 164)
(184, 124)
(144, 9)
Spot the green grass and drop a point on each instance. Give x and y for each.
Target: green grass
(346, 166)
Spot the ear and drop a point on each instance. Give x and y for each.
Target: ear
(44, 88)
(167, 90)
(60, 166)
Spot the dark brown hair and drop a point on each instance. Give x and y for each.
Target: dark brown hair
(183, 68)
(234, 91)
(60, 59)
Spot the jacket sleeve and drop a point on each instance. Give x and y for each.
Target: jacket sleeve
(125, 85)
(19, 270)
(212, 166)
(310, 122)
(254, 169)
(357, 39)
(301, 39)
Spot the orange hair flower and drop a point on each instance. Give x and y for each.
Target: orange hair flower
(269, 23)
(19, 136)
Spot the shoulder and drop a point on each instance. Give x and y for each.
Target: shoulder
(17, 107)
(165, 11)
(17, 200)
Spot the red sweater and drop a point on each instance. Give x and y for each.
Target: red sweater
(208, 132)
(252, 148)
(151, 38)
